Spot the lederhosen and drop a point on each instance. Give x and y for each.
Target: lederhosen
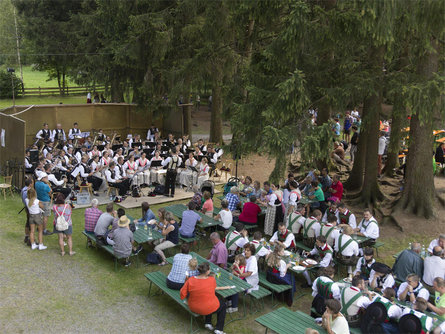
(170, 177)
(345, 260)
(370, 242)
(291, 221)
(127, 181)
(365, 270)
(324, 292)
(353, 320)
(94, 180)
(308, 241)
(119, 185)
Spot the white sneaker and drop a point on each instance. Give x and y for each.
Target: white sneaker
(42, 247)
(232, 309)
(64, 243)
(34, 246)
(209, 327)
(218, 332)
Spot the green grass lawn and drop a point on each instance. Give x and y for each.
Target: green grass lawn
(30, 100)
(36, 79)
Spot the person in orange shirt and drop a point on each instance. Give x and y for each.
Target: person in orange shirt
(201, 297)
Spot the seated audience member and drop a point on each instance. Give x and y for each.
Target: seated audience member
(246, 188)
(412, 289)
(324, 288)
(322, 252)
(147, 214)
(439, 300)
(332, 320)
(123, 241)
(233, 198)
(393, 311)
(364, 264)
(330, 230)
(250, 212)
(201, 298)
(295, 221)
(311, 228)
(189, 220)
(434, 266)
(236, 239)
(331, 210)
(219, 254)
(346, 248)
(381, 277)
(355, 299)
(197, 198)
(257, 189)
(260, 250)
(193, 269)
(177, 276)
(246, 268)
(338, 154)
(426, 322)
(105, 220)
(91, 216)
(325, 182)
(171, 234)
(283, 237)
(114, 226)
(437, 242)
(277, 272)
(224, 216)
(316, 195)
(207, 207)
(368, 227)
(345, 216)
(336, 190)
(408, 262)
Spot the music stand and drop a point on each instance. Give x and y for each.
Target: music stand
(139, 145)
(116, 147)
(150, 144)
(156, 163)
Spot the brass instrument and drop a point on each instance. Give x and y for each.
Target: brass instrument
(94, 141)
(112, 139)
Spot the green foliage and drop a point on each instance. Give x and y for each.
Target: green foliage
(6, 84)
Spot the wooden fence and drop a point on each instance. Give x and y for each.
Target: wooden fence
(48, 91)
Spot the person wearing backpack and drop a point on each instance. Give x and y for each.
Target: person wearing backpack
(63, 225)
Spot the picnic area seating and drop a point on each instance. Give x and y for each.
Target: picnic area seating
(159, 279)
(275, 288)
(107, 248)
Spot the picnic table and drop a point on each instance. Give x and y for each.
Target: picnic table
(359, 238)
(142, 235)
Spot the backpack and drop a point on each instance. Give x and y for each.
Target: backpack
(136, 191)
(61, 223)
(154, 258)
(159, 189)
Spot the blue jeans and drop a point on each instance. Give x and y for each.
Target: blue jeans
(234, 298)
(187, 236)
(390, 328)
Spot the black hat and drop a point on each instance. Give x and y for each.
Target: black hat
(410, 324)
(376, 312)
(381, 268)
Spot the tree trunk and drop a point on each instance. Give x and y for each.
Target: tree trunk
(187, 111)
(323, 115)
(59, 84)
(217, 105)
(398, 115)
(355, 179)
(117, 93)
(370, 191)
(63, 82)
(418, 195)
(279, 169)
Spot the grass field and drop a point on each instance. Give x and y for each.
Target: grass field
(36, 79)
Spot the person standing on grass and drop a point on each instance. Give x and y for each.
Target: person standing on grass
(43, 190)
(382, 146)
(34, 207)
(62, 209)
(24, 194)
(354, 142)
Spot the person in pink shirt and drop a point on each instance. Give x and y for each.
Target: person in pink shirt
(219, 254)
(336, 189)
(207, 207)
(250, 212)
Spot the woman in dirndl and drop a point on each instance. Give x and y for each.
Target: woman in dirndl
(274, 212)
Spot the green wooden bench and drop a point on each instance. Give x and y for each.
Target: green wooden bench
(159, 279)
(284, 321)
(259, 295)
(377, 245)
(275, 288)
(185, 240)
(107, 248)
(302, 246)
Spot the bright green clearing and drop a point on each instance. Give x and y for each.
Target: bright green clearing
(30, 100)
(36, 79)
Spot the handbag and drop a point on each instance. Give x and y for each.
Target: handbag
(61, 223)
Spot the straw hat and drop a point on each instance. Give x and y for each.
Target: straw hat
(42, 175)
(124, 221)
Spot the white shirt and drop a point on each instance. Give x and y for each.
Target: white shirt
(327, 258)
(352, 220)
(340, 325)
(27, 164)
(142, 163)
(167, 161)
(389, 281)
(283, 268)
(272, 199)
(296, 226)
(315, 227)
(394, 311)
(54, 181)
(72, 132)
(239, 243)
(40, 135)
(54, 134)
(109, 178)
(433, 266)
(382, 145)
(34, 209)
(289, 238)
(372, 229)
(78, 156)
(325, 216)
(359, 264)
(334, 287)
(253, 279)
(433, 244)
(428, 322)
(424, 293)
(226, 218)
(294, 197)
(350, 250)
